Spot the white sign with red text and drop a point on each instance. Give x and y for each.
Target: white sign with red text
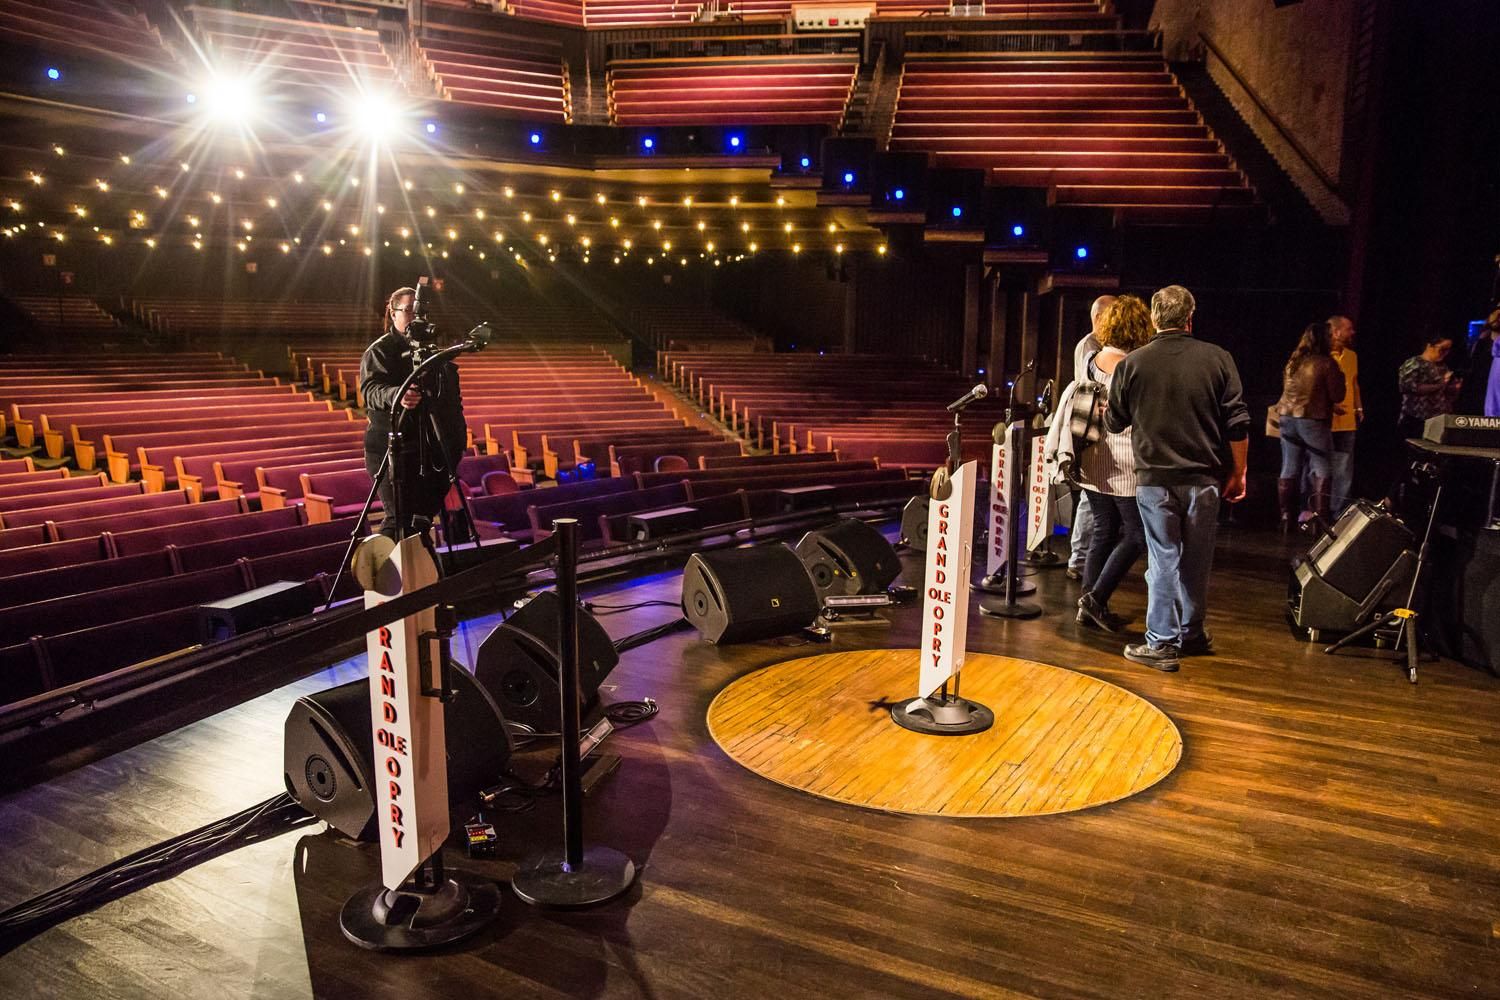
(999, 513)
(1038, 497)
(945, 601)
(411, 758)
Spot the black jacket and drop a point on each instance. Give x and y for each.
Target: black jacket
(385, 365)
(1183, 399)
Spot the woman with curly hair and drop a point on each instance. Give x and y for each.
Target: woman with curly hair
(1106, 471)
(1312, 386)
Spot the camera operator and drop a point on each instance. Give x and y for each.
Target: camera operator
(434, 435)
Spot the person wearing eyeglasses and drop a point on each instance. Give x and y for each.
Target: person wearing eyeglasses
(434, 435)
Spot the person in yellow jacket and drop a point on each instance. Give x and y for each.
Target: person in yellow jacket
(1347, 416)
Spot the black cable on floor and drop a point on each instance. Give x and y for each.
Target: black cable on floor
(270, 818)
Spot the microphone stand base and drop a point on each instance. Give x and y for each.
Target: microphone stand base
(943, 716)
(993, 608)
(405, 919)
(995, 584)
(546, 880)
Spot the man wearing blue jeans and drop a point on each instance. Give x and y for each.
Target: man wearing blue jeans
(1083, 517)
(1191, 427)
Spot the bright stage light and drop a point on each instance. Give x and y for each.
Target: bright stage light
(53, 73)
(373, 115)
(229, 100)
(1018, 230)
(805, 162)
(535, 138)
(958, 212)
(431, 128)
(1082, 253)
(321, 117)
(899, 194)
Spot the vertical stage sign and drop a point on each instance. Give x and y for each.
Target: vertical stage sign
(999, 514)
(1038, 495)
(411, 761)
(945, 601)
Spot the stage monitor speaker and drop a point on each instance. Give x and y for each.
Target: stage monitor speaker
(848, 557)
(518, 663)
(1463, 601)
(328, 751)
(1364, 564)
(738, 595)
(914, 524)
(276, 602)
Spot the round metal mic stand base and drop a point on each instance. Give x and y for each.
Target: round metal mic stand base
(995, 584)
(547, 880)
(405, 919)
(943, 716)
(1000, 608)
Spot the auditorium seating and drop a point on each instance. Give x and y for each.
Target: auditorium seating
(1099, 129)
(680, 327)
(794, 402)
(511, 75)
(731, 90)
(73, 317)
(193, 318)
(99, 29)
(316, 56)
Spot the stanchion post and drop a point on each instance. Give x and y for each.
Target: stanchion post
(567, 648)
(575, 876)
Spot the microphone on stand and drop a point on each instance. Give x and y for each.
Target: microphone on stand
(973, 395)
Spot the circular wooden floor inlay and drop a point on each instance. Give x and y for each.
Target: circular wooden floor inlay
(1061, 740)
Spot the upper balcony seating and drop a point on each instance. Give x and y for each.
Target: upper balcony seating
(304, 54)
(731, 90)
(103, 29)
(512, 75)
(1097, 129)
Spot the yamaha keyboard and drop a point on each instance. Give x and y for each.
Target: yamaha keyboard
(1463, 430)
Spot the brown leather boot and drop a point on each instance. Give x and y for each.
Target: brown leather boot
(1286, 499)
(1322, 497)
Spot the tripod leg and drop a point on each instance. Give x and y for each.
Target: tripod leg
(1411, 648)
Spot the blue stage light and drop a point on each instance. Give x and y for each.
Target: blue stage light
(648, 144)
(735, 141)
(1018, 230)
(899, 194)
(848, 177)
(958, 211)
(805, 163)
(536, 138)
(1082, 253)
(320, 118)
(53, 73)
(980, 372)
(431, 128)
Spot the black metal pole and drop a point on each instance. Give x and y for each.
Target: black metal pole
(567, 648)
(574, 877)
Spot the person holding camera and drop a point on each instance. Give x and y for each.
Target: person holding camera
(431, 417)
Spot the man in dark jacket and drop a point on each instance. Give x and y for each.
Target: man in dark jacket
(433, 432)
(1183, 399)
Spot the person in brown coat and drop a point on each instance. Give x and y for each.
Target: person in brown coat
(1312, 387)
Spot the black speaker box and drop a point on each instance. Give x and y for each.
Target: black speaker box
(1362, 566)
(914, 524)
(738, 595)
(518, 663)
(276, 602)
(848, 557)
(1463, 605)
(328, 751)
(1356, 554)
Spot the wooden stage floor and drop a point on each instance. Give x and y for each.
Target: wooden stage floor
(1331, 830)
